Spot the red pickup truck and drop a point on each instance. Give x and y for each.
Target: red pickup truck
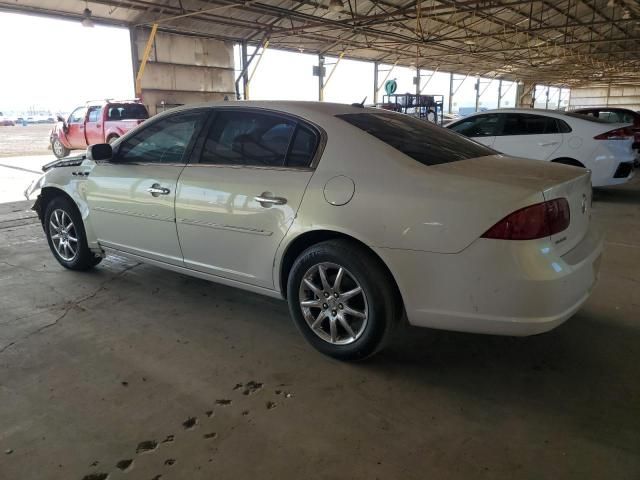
(95, 122)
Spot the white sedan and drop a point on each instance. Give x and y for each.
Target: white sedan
(569, 138)
(356, 216)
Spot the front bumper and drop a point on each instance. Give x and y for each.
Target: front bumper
(496, 287)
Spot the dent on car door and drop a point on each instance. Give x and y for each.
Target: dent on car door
(238, 199)
(529, 136)
(132, 198)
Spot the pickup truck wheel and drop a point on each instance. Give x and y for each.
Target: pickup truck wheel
(112, 139)
(59, 150)
(66, 236)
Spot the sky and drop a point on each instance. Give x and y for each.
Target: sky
(56, 65)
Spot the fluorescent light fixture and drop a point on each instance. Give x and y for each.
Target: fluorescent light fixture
(336, 5)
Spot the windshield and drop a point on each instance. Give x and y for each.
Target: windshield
(421, 140)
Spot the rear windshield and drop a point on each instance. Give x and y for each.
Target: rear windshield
(127, 111)
(419, 139)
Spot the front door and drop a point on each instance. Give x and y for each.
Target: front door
(238, 199)
(529, 136)
(132, 198)
(75, 129)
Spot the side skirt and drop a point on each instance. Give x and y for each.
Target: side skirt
(195, 273)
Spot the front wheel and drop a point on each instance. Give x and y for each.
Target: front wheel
(342, 299)
(66, 236)
(59, 150)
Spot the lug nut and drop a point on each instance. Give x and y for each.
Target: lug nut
(340, 306)
(333, 312)
(325, 306)
(326, 294)
(336, 295)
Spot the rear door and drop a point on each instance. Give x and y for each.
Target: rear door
(93, 127)
(239, 197)
(529, 136)
(132, 198)
(482, 128)
(75, 128)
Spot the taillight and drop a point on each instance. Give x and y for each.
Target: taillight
(617, 134)
(537, 221)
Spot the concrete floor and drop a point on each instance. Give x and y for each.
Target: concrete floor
(93, 364)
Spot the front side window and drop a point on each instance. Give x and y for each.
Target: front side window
(78, 115)
(248, 138)
(478, 126)
(163, 141)
(421, 140)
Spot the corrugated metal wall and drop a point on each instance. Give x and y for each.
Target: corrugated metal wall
(626, 96)
(184, 70)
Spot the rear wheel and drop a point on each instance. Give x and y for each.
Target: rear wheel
(66, 236)
(59, 150)
(342, 299)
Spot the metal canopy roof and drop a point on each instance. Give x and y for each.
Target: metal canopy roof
(564, 42)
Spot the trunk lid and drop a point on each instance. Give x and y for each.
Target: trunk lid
(502, 173)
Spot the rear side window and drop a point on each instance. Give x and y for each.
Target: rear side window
(479, 126)
(527, 124)
(302, 148)
(94, 114)
(127, 111)
(420, 140)
(248, 138)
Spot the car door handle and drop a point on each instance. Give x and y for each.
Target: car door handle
(548, 144)
(156, 190)
(266, 200)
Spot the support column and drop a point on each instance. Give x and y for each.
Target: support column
(245, 72)
(499, 93)
(134, 53)
(477, 93)
(375, 82)
(417, 80)
(321, 77)
(450, 92)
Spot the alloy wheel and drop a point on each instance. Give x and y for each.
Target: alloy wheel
(333, 303)
(63, 235)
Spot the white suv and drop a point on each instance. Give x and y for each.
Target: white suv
(569, 138)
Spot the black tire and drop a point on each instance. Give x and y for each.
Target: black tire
(59, 150)
(83, 259)
(380, 300)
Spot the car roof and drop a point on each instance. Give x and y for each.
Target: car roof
(299, 108)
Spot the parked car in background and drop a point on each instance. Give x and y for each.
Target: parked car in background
(95, 122)
(357, 216)
(559, 137)
(616, 115)
(6, 121)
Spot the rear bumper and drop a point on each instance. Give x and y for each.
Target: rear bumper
(496, 287)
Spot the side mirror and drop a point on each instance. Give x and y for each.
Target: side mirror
(99, 151)
(60, 119)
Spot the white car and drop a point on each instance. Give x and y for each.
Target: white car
(559, 137)
(356, 216)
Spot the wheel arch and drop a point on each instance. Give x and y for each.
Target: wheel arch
(568, 161)
(307, 239)
(47, 194)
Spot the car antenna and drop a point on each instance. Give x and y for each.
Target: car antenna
(361, 104)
